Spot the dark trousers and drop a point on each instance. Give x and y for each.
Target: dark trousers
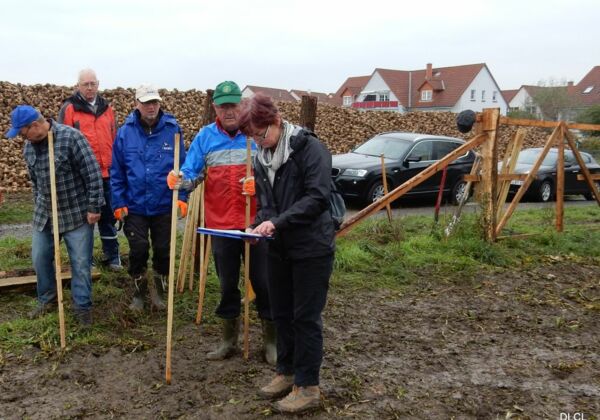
(136, 230)
(106, 227)
(228, 254)
(298, 292)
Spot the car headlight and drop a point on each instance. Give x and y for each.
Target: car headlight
(359, 173)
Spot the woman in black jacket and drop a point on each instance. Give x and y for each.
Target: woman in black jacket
(293, 187)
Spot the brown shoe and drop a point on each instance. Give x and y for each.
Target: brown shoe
(300, 399)
(278, 387)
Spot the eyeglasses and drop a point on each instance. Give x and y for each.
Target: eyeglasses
(89, 84)
(262, 137)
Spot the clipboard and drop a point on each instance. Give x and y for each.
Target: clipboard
(233, 234)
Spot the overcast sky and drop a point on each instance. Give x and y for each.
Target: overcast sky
(306, 44)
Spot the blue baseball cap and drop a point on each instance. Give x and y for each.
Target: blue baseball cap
(20, 117)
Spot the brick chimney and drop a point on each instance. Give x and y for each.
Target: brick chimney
(570, 88)
(429, 72)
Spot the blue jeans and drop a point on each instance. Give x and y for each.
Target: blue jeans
(80, 243)
(106, 227)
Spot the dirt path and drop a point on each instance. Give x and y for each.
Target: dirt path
(516, 344)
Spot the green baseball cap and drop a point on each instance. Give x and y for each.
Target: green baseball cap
(227, 92)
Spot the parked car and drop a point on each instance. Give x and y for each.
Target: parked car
(543, 187)
(358, 174)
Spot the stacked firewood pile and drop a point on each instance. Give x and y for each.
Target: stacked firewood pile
(341, 129)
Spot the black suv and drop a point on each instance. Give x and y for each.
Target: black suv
(358, 174)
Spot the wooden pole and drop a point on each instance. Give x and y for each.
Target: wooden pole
(308, 112)
(560, 180)
(584, 169)
(247, 285)
(410, 184)
(172, 261)
(186, 244)
(193, 230)
(508, 167)
(196, 237)
(489, 171)
(388, 207)
(56, 234)
(528, 180)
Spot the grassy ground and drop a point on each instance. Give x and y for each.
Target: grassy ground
(404, 251)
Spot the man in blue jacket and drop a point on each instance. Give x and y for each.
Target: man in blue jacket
(143, 155)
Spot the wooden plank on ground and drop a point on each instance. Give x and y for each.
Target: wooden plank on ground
(31, 280)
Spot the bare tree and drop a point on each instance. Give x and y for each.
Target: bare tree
(554, 100)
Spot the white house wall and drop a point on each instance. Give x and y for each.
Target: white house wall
(247, 92)
(378, 85)
(483, 81)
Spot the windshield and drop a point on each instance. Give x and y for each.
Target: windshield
(529, 157)
(390, 147)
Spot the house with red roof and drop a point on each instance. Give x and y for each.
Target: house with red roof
(348, 93)
(451, 89)
(522, 99)
(322, 98)
(586, 93)
(273, 93)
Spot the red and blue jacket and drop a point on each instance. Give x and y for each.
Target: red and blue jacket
(221, 160)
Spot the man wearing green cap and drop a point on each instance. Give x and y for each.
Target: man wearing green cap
(217, 157)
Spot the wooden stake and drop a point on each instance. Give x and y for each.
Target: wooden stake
(56, 234)
(247, 285)
(172, 261)
(186, 243)
(388, 207)
(508, 167)
(196, 235)
(584, 169)
(528, 180)
(560, 180)
(194, 232)
(489, 171)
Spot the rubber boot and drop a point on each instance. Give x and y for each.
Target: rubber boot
(157, 292)
(227, 347)
(269, 341)
(141, 288)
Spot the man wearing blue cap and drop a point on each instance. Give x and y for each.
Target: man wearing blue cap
(80, 197)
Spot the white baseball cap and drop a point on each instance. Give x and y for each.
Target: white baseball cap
(146, 93)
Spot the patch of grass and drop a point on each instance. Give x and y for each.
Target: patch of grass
(17, 208)
(377, 254)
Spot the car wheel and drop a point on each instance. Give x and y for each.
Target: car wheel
(544, 193)
(375, 192)
(588, 195)
(458, 191)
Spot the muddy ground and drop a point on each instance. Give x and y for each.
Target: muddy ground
(512, 344)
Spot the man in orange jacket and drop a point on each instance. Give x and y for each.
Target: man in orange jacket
(91, 114)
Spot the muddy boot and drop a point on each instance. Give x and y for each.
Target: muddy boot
(41, 309)
(157, 292)
(84, 317)
(278, 387)
(227, 347)
(141, 288)
(301, 399)
(269, 341)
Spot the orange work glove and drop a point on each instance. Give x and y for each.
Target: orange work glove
(248, 186)
(121, 213)
(182, 208)
(174, 180)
